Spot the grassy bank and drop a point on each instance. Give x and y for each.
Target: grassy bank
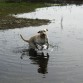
(15, 8)
(7, 21)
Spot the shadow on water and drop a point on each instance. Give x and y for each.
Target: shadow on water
(37, 58)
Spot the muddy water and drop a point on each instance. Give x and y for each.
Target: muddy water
(65, 61)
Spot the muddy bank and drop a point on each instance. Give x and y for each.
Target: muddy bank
(9, 22)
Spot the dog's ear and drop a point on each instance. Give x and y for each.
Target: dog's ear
(45, 29)
(42, 30)
(39, 32)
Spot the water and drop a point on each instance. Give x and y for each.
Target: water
(65, 61)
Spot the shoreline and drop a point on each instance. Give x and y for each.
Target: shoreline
(10, 22)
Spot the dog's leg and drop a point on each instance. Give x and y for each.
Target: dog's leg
(47, 43)
(33, 45)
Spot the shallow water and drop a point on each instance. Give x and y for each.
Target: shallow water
(65, 61)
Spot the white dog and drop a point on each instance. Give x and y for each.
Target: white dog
(38, 40)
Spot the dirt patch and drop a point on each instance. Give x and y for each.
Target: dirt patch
(9, 22)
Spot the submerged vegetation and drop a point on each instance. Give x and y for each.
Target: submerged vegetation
(8, 21)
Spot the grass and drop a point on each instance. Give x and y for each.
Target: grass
(15, 8)
(9, 22)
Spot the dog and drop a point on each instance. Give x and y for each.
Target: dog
(41, 39)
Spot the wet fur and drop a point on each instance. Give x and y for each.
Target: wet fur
(39, 39)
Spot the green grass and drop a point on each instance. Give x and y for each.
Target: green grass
(15, 8)
(7, 21)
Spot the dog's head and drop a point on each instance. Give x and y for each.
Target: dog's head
(43, 33)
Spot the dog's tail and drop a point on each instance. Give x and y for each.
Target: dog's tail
(24, 39)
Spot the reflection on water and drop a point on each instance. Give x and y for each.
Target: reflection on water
(64, 63)
(37, 58)
(61, 23)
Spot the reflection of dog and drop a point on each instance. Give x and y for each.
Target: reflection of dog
(40, 60)
(37, 59)
(40, 39)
